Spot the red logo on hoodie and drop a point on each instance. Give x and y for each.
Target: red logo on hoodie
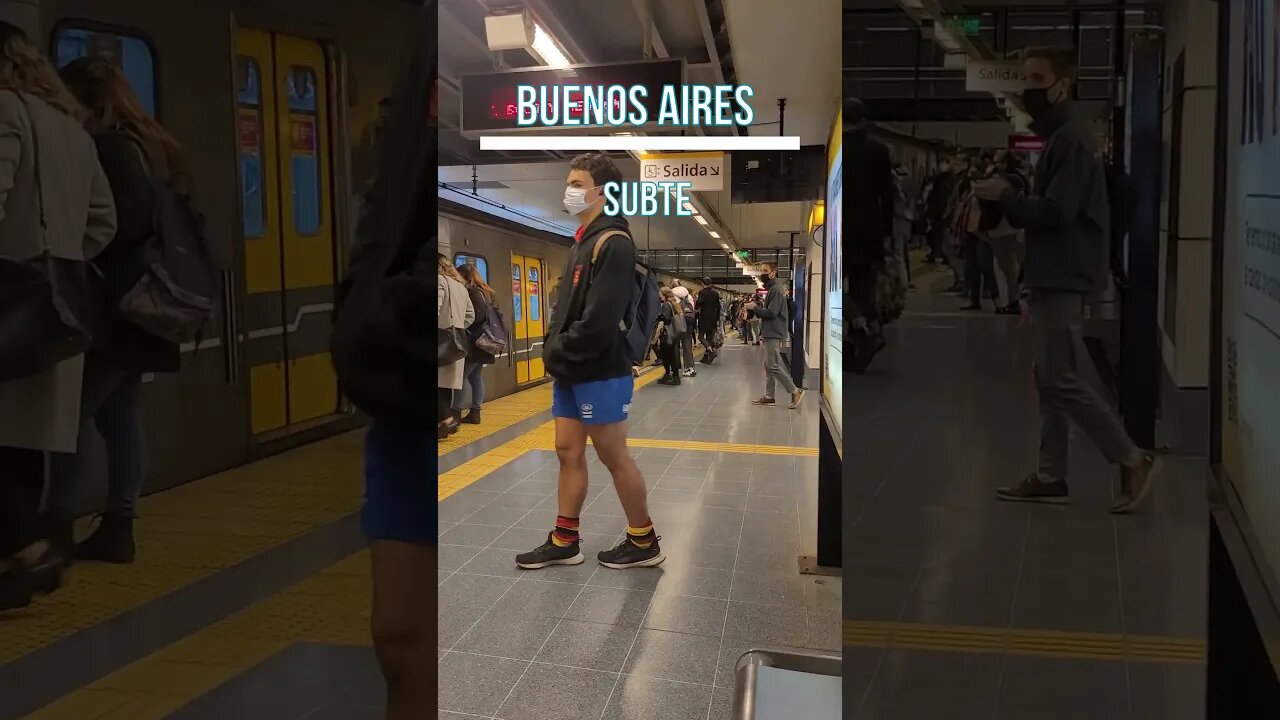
(577, 274)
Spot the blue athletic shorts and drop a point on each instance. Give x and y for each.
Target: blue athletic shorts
(398, 500)
(600, 402)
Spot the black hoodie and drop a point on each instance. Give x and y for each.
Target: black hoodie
(585, 341)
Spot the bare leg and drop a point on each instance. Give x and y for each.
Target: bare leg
(404, 615)
(611, 445)
(571, 449)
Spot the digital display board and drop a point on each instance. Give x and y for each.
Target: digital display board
(489, 99)
(833, 287)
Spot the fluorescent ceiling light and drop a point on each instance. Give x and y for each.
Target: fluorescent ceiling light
(700, 220)
(714, 234)
(547, 49)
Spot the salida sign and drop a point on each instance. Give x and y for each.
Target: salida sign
(995, 76)
(705, 170)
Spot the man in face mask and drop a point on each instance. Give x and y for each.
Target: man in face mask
(1067, 220)
(586, 354)
(775, 317)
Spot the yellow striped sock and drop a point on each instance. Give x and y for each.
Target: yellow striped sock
(641, 537)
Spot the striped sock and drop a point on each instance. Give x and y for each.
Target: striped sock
(641, 537)
(566, 532)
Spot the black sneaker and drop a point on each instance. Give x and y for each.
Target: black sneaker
(1033, 489)
(550, 554)
(627, 555)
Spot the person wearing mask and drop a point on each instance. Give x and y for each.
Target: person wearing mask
(482, 297)
(670, 321)
(47, 161)
(379, 341)
(137, 155)
(708, 304)
(975, 219)
(691, 324)
(776, 323)
(869, 203)
(453, 312)
(1066, 219)
(586, 354)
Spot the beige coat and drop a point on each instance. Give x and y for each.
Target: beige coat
(453, 310)
(43, 412)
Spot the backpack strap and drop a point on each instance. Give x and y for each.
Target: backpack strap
(595, 251)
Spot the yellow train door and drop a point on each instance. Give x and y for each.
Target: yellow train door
(285, 167)
(528, 317)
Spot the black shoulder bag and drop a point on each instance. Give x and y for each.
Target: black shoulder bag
(45, 302)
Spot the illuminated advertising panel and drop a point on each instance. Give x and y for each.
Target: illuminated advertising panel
(832, 282)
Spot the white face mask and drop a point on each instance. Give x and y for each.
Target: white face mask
(575, 200)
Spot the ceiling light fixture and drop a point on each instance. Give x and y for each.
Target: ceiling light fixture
(714, 234)
(700, 219)
(547, 49)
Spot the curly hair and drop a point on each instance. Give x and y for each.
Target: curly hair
(599, 166)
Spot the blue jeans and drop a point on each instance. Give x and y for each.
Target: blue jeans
(472, 374)
(109, 401)
(399, 502)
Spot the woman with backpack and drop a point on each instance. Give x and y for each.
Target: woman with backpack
(47, 161)
(454, 312)
(482, 298)
(136, 154)
(670, 322)
(690, 321)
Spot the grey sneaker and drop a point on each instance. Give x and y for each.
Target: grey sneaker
(1135, 483)
(1033, 489)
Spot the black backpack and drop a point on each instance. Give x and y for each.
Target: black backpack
(491, 336)
(641, 316)
(1122, 197)
(175, 297)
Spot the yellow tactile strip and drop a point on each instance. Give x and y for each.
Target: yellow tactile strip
(1090, 646)
(500, 414)
(194, 530)
(329, 607)
(510, 409)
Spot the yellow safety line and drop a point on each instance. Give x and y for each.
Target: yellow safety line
(331, 607)
(510, 409)
(540, 438)
(194, 530)
(1098, 646)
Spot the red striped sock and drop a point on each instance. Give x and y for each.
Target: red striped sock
(565, 532)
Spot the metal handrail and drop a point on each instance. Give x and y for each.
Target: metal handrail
(745, 699)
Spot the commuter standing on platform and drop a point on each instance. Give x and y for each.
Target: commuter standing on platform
(708, 306)
(586, 353)
(379, 348)
(775, 319)
(47, 161)
(869, 198)
(139, 158)
(1066, 217)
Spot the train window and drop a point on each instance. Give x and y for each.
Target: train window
(305, 150)
(249, 131)
(479, 263)
(130, 53)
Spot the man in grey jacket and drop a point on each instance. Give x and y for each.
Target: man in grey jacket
(1066, 217)
(775, 317)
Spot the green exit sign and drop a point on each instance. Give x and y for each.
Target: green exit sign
(743, 254)
(970, 25)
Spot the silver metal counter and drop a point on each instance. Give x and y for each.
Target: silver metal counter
(787, 686)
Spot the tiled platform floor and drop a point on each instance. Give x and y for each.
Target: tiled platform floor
(589, 642)
(947, 413)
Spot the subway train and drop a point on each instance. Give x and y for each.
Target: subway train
(523, 266)
(276, 105)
